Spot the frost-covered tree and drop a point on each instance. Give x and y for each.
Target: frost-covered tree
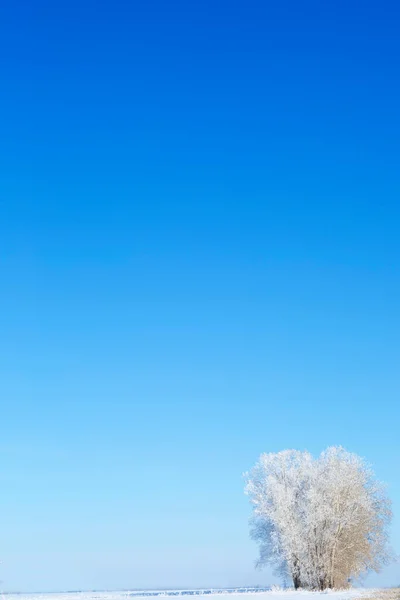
(318, 521)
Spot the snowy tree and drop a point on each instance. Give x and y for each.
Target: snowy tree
(319, 521)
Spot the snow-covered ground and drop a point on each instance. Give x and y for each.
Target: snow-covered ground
(203, 594)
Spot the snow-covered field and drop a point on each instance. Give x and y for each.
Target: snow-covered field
(204, 594)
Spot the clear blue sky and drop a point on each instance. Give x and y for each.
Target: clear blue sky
(200, 254)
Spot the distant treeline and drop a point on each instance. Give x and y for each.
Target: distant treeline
(241, 590)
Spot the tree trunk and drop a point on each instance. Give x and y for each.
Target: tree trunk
(296, 582)
(323, 584)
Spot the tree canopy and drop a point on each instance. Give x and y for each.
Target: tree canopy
(320, 522)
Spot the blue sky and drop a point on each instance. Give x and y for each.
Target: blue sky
(200, 262)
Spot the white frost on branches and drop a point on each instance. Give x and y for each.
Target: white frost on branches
(319, 521)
